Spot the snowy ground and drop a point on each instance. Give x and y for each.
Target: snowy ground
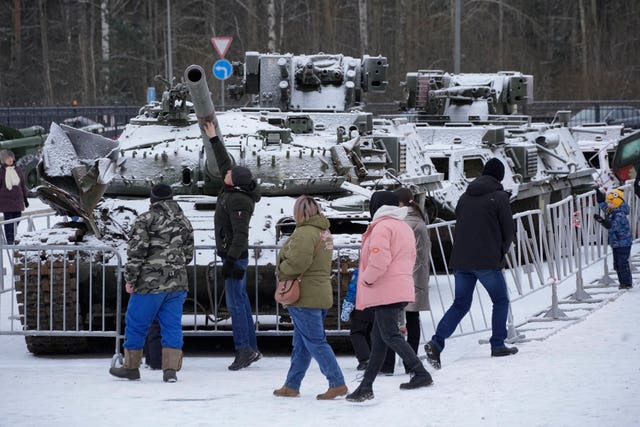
(586, 373)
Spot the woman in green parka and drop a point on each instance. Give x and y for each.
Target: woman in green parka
(308, 251)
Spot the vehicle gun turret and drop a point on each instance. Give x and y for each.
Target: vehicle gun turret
(440, 97)
(318, 82)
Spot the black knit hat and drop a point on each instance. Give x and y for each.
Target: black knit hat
(161, 192)
(494, 168)
(381, 198)
(241, 176)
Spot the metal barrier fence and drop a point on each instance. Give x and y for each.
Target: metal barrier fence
(555, 243)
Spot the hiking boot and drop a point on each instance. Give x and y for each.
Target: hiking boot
(169, 376)
(417, 381)
(625, 286)
(360, 395)
(363, 365)
(285, 391)
(433, 354)
(333, 392)
(244, 357)
(126, 373)
(503, 351)
(130, 368)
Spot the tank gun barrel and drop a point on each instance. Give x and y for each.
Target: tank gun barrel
(203, 106)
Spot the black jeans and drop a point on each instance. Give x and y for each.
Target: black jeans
(9, 229)
(385, 333)
(360, 334)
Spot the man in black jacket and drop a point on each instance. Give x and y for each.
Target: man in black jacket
(234, 209)
(483, 233)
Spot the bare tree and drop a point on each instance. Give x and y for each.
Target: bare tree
(48, 87)
(16, 40)
(106, 54)
(363, 26)
(271, 26)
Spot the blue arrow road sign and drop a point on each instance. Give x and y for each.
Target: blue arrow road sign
(222, 69)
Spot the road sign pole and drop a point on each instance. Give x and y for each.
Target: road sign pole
(222, 94)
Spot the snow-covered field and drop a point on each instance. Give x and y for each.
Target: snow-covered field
(586, 373)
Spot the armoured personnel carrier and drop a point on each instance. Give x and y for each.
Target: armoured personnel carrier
(462, 120)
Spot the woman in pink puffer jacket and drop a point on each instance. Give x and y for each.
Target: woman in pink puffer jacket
(385, 283)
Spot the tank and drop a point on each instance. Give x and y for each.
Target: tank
(303, 134)
(25, 144)
(462, 120)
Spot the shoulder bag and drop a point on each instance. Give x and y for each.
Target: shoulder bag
(288, 291)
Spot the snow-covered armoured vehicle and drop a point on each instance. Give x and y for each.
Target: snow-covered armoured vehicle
(462, 120)
(305, 135)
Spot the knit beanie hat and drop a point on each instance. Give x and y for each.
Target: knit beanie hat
(241, 176)
(616, 197)
(161, 192)
(382, 198)
(494, 168)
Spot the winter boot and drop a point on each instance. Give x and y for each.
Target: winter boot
(171, 363)
(130, 369)
(285, 391)
(361, 394)
(420, 378)
(625, 286)
(503, 351)
(333, 392)
(433, 354)
(244, 357)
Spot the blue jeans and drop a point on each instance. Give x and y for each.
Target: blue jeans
(244, 330)
(309, 340)
(621, 264)
(385, 333)
(141, 311)
(493, 281)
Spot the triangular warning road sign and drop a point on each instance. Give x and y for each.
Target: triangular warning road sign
(221, 44)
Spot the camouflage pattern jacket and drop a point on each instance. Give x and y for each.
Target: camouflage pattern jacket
(160, 247)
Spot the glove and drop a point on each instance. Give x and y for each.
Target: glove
(347, 308)
(606, 223)
(228, 267)
(599, 196)
(26, 203)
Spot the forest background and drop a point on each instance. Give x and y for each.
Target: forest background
(106, 52)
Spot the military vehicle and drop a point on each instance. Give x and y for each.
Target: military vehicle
(25, 144)
(598, 143)
(464, 119)
(626, 160)
(304, 135)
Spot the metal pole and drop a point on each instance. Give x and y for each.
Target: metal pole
(222, 94)
(456, 39)
(169, 48)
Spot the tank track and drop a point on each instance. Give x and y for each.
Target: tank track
(42, 305)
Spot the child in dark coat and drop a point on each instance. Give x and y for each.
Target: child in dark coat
(620, 240)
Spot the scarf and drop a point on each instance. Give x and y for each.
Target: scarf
(11, 177)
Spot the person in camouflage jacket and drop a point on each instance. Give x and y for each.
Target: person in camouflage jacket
(234, 208)
(160, 247)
